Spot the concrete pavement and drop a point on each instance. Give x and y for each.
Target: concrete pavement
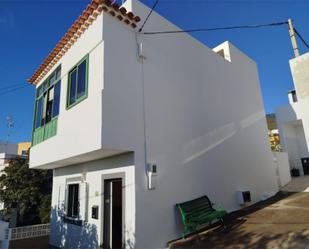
(281, 222)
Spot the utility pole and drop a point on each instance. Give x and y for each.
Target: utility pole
(293, 38)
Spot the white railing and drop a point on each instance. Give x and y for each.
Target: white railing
(28, 232)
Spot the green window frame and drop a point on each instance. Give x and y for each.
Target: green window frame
(47, 105)
(77, 89)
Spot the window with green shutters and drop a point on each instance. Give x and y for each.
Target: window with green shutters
(78, 83)
(47, 108)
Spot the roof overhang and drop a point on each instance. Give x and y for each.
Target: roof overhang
(93, 9)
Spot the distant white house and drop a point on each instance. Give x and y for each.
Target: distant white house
(7, 152)
(293, 119)
(8, 148)
(132, 124)
(11, 150)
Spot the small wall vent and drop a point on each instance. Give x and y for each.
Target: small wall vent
(243, 197)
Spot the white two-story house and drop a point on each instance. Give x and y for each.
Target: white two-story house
(293, 119)
(132, 124)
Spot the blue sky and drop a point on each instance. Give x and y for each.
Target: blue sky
(30, 29)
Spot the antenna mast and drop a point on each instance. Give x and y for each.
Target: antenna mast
(9, 125)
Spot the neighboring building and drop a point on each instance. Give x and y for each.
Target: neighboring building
(7, 152)
(4, 162)
(8, 148)
(132, 124)
(293, 119)
(23, 148)
(280, 157)
(273, 132)
(271, 121)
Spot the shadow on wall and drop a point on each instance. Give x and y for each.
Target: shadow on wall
(72, 236)
(78, 236)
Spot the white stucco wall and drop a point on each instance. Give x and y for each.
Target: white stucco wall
(281, 161)
(293, 119)
(196, 115)
(90, 235)
(205, 123)
(296, 112)
(300, 73)
(79, 128)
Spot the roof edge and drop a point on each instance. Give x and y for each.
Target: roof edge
(93, 9)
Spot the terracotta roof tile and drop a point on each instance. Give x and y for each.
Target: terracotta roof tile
(93, 9)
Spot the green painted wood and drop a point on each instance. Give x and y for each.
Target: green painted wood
(198, 212)
(38, 136)
(50, 129)
(45, 132)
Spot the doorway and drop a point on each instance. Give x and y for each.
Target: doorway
(112, 233)
(305, 163)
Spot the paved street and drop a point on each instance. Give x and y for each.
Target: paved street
(280, 222)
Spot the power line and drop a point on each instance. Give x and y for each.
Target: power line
(152, 9)
(214, 29)
(301, 38)
(12, 90)
(10, 86)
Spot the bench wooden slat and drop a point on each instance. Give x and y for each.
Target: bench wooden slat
(196, 205)
(198, 212)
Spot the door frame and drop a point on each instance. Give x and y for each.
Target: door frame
(104, 177)
(302, 163)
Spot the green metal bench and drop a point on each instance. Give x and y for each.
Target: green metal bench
(198, 213)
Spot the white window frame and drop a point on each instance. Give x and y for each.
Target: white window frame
(82, 214)
(67, 200)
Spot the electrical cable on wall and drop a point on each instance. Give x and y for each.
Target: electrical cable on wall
(152, 9)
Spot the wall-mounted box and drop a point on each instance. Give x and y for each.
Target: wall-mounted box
(95, 212)
(153, 168)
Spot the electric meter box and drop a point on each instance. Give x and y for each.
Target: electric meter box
(95, 212)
